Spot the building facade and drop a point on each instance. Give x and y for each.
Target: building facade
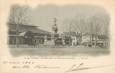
(26, 34)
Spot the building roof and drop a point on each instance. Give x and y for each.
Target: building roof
(71, 34)
(26, 28)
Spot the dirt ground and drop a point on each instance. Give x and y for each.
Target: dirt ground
(60, 50)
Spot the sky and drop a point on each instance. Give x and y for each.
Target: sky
(78, 17)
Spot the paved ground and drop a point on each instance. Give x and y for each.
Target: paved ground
(52, 50)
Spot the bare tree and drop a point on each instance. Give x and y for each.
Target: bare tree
(18, 16)
(99, 26)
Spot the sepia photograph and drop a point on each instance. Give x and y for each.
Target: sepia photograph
(57, 36)
(58, 30)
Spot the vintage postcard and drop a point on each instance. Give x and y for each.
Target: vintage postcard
(57, 36)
